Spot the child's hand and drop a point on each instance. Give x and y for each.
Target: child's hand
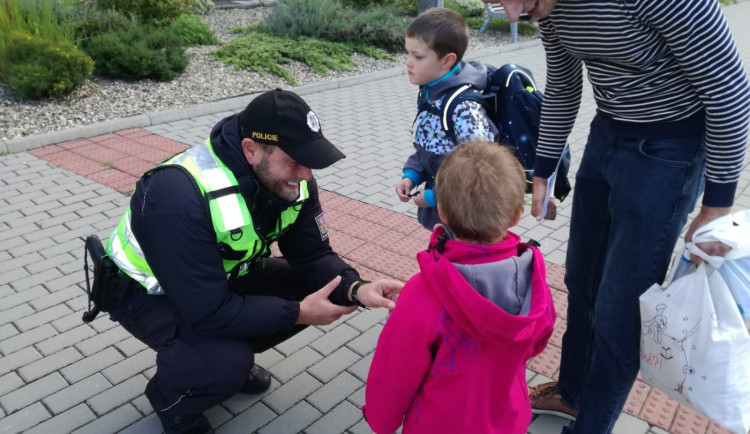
(403, 188)
(419, 199)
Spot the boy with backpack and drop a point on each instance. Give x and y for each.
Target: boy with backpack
(452, 355)
(436, 41)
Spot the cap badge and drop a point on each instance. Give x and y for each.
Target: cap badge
(312, 122)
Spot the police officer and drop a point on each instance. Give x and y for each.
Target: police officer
(197, 240)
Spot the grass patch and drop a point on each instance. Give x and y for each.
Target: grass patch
(266, 54)
(524, 29)
(33, 17)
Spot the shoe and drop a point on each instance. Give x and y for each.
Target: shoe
(185, 424)
(259, 381)
(545, 399)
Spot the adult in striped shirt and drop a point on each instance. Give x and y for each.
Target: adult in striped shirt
(672, 119)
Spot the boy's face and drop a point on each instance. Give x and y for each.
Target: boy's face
(423, 64)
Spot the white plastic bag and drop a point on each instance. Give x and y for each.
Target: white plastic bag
(734, 231)
(695, 348)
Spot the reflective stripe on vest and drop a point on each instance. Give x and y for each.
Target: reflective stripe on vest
(230, 218)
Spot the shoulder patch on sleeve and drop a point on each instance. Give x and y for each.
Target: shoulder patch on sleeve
(321, 221)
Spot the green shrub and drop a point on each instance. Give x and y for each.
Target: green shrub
(524, 28)
(158, 12)
(265, 54)
(37, 67)
(192, 30)
(202, 7)
(472, 8)
(33, 17)
(90, 22)
(143, 51)
(330, 20)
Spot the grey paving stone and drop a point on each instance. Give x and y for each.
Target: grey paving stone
(361, 368)
(118, 395)
(291, 366)
(65, 339)
(36, 278)
(367, 318)
(26, 339)
(365, 343)
(55, 299)
(22, 420)
(333, 364)
(358, 397)
(248, 421)
(49, 364)
(337, 420)
(76, 393)
(22, 297)
(90, 365)
(142, 405)
(298, 341)
(292, 392)
(15, 313)
(10, 381)
(131, 366)
(242, 401)
(42, 317)
(268, 358)
(360, 427)
(101, 340)
(131, 346)
(19, 358)
(22, 261)
(7, 330)
(65, 422)
(292, 420)
(147, 425)
(32, 392)
(334, 339)
(111, 422)
(334, 392)
(65, 281)
(546, 424)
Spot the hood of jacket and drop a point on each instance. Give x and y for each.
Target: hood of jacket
(473, 73)
(478, 283)
(265, 206)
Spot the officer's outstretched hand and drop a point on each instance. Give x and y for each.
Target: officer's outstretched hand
(316, 309)
(380, 293)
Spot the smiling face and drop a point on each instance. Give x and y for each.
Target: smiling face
(423, 63)
(276, 170)
(535, 8)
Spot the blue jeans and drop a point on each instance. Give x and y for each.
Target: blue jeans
(631, 201)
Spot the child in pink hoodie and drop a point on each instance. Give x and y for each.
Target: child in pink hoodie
(452, 355)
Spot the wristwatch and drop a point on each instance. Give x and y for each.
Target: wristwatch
(355, 300)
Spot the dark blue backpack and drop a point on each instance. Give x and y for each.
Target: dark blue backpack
(514, 105)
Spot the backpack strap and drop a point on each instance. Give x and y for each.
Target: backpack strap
(450, 101)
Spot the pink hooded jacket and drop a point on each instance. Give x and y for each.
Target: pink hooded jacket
(450, 359)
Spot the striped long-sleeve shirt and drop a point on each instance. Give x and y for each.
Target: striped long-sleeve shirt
(649, 61)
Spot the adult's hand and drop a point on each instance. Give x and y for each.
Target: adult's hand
(380, 293)
(403, 188)
(316, 309)
(538, 196)
(706, 215)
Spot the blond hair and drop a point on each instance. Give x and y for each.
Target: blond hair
(480, 188)
(443, 30)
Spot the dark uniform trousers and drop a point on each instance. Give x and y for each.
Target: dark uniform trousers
(193, 372)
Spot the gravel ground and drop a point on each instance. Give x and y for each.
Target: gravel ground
(204, 80)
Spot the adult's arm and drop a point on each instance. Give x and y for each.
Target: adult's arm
(172, 225)
(307, 248)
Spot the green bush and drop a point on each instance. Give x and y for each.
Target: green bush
(524, 28)
(88, 23)
(202, 7)
(192, 30)
(330, 20)
(158, 12)
(143, 51)
(34, 17)
(37, 67)
(472, 8)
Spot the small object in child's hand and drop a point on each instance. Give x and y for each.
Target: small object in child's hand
(416, 193)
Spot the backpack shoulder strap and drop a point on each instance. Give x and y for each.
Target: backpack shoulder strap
(450, 101)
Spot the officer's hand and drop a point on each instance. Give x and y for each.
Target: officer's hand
(316, 309)
(380, 293)
(403, 188)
